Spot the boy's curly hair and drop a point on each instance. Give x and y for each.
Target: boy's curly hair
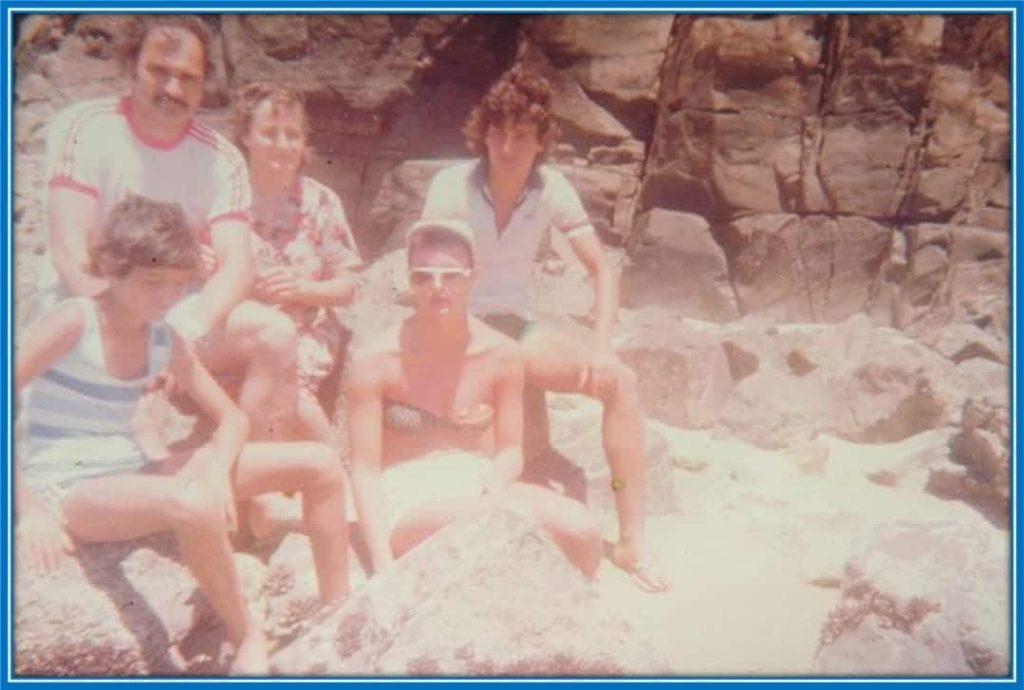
(519, 95)
(142, 233)
(250, 96)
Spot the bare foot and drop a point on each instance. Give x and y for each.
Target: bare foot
(252, 657)
(637, 564)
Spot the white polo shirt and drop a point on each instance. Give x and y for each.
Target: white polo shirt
(505, 260)
(95, 148)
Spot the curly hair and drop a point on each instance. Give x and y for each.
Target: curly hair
(519, 95)
(144, 24)
(249, 97)
(142, 233)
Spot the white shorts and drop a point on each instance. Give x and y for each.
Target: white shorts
(444, 475)
(53, 469)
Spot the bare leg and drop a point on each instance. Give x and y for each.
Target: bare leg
(133, 505)
(313, 421)
(315, 470)
(554, 361)
(566, 520)
(265, 339)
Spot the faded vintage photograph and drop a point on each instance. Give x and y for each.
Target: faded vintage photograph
(511, 344)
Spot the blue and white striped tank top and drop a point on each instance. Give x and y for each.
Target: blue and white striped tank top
(77, 398)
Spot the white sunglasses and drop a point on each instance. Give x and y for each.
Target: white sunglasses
(436, 275)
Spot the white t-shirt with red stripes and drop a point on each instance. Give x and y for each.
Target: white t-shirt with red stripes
(94, 147)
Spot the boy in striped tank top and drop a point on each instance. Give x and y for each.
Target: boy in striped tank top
(84, 479)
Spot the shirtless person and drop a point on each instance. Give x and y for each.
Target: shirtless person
(148, 143)
(510, 200)
(439, 381)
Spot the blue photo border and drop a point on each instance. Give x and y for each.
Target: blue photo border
(11, 7)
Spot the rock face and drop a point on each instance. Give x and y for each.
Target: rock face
(489, 597)
(823, 150)
(776, 386)
(121, 610)
(921, 599)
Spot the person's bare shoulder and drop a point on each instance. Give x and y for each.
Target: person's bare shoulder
(374, 359)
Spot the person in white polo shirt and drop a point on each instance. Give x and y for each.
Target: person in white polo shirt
(510, 200)
(149, 144)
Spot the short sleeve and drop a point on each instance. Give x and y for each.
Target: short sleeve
(439, 202)
(73, 159)
(337, 244)
(232, 195)
(567, 213)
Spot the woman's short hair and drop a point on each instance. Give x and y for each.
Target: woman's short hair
(518, 96)
(249, 97)
(142, 233)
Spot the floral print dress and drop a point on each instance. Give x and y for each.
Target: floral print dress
(306, 231)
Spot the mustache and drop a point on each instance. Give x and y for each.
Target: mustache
(164, 99)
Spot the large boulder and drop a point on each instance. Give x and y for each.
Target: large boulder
(493, 596)
(863, 384)
(977, 467)
(921, 599)
(684, 368)
(365, 62)
(733, 95)
(956, 274)
(677, 264)
(810, 268)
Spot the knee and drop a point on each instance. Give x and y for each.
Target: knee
(277, 336)
(626, 387)
(196, 508)
(323, 466)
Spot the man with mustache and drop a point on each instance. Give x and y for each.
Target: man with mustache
(149, 144)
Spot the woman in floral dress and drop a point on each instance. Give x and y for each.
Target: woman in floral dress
(304, 251)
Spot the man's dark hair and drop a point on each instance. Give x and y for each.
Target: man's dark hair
(144, 24)
(519, 96)
(142, 233)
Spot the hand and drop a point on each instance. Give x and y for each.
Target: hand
(277, 285)
(165, 381)
(598, 377)
(41, 537)
(208, 262)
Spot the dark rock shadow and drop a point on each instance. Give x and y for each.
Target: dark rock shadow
(543, 464)
(102, 565)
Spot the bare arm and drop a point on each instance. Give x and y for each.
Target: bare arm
(337, 291)
(232, 424)
(508, 418)
(230, 283)
(365, 390)
(212, 463)
(605, 280)
(53, 337)
(73, 225)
